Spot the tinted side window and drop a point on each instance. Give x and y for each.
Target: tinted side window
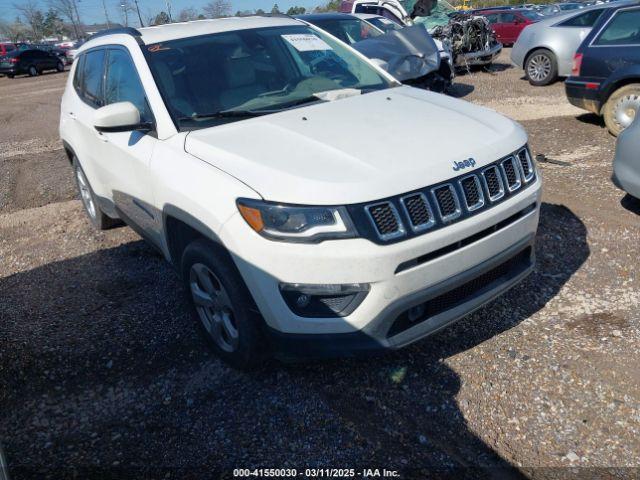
(586, 19)
(122, 83)
(92, 72)
(507, 18)
(623, 29)
(493, 18)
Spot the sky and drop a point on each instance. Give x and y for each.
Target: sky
(91, 11)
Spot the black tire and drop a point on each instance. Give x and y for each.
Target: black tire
(250, 348)
(97, 217)
(11, 75)
(621, 108)
(541, 67)
(60, 66)
(32, 71)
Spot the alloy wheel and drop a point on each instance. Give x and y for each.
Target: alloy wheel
(539, 68)
(214, 307)
(85, 193)
(625, 110)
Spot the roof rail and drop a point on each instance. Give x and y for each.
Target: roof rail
(116, 31)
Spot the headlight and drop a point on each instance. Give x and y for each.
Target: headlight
(292, 223)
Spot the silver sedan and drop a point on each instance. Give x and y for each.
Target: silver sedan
(545, 49)
(626, 165)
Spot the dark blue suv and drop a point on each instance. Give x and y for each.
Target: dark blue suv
(605, 78)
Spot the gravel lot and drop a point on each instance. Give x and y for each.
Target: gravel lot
(103, 374)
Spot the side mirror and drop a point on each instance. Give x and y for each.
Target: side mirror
(380, 63)
(119, 117)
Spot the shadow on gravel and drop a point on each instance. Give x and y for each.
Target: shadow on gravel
(591, 119)
(460, 90)
(631, 204)
(104, 375)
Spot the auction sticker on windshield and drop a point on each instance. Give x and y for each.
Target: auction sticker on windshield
(306, 42)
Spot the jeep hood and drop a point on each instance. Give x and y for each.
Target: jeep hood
(356, 149)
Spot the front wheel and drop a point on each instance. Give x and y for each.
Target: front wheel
(222, 304)
(541, 68)
(621, 108)
(98, 218)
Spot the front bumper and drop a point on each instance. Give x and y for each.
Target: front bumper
(448, 302)
(582, 97)
(481, 57)
(265, 264)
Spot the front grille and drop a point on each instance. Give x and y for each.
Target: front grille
(511, 173)
(419, 211)
(526, 164)
(436, 206)
(463, 293)
(472, 190)
(386, 220)
(494, 184)
(447, 202)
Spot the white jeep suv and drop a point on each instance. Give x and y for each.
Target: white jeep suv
(311, 203)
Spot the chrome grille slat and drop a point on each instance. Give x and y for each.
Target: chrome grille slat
(526, 165)
(434, 207)
(386, 220)
(493, 183)
(472, 192)
(418, 209)
(446, 200)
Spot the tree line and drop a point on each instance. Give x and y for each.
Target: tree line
(62, 18)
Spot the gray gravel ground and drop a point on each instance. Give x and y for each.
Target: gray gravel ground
(102, 372)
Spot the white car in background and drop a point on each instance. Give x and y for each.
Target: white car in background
(310, 203)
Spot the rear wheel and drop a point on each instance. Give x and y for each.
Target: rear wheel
(541, 68)
(32, 71)
(90, 202)
(621, 108)
(222, 304)
(10, 75)
(60, 66)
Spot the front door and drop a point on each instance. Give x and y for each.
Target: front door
(127, 155)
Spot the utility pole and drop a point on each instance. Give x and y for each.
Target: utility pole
(106, 14)
(125, 11)
(169, 10)
(140, 16)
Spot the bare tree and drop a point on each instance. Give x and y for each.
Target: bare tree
(187, 14)
(32, 15)
(15, 32)
(68, 9)
(218, 8)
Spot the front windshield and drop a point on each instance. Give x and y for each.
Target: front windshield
(349, 30)
(254, 71)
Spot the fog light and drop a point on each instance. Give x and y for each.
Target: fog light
(322, 301)
(416, 313)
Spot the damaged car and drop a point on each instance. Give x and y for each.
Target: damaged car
(447, 69)
(409, 54)
(471, 37)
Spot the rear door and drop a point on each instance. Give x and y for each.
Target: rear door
(507, 22)
(615, 46)
(494, 21)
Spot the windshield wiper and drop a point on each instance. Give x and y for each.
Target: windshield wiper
(222, 114)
